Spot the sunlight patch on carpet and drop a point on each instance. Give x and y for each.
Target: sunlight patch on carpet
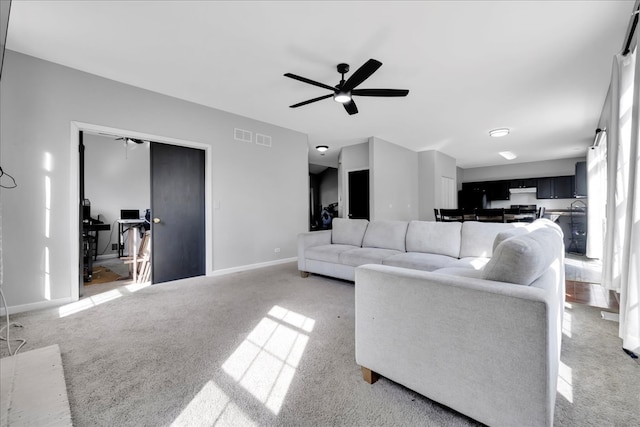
(566, 324)
(565, 382)
(87, 303)
(266, 361)
(212, 407)
(134, 287)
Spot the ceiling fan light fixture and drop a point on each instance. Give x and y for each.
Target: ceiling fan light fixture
(342, 97)
(322, 148)
(497, 133)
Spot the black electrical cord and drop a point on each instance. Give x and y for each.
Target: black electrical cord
(3, 173)
(110, 236)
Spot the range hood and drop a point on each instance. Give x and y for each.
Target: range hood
(522, 190)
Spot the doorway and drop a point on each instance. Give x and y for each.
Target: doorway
(323, 197)
(204, 240)
(358, 194)
(114, 194)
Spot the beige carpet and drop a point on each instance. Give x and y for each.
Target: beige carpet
(266, 347)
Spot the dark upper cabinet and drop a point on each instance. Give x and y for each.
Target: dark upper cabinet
(494, 190)
(544, 188)
(474, 186)
(557, 187)
(564, 187)
(523, 183)
(581, 179)
(498, 190)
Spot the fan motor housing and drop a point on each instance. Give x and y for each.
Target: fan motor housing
(343, 68)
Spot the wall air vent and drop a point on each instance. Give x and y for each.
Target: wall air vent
(242, 135)
(263, 140)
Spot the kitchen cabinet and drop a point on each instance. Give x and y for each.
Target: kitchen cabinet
(581, 179)
(557, 187)
(523, 183)
(498, 190)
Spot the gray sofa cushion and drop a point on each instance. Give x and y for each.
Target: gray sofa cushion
(360, 256)
(504, 235)
(327, 253)
(472, 262)
(441, 238)
(478, 237)
(348, 231)
(419, 261)
(386, 235)
(522, 259)
(460, 272)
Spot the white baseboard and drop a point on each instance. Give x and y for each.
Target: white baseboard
(224, 271)
(62, 301)
(36, 305)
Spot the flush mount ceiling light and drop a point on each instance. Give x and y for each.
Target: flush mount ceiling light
(497, 133)
(508, 155)
(322, 148)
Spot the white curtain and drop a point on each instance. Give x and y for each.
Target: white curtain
(621, 258)
(597, 190)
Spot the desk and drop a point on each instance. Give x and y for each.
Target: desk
(125, 225)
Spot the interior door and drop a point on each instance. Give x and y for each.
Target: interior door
(177, 212)
(358, 194)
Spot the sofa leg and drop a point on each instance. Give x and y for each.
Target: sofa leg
(304, 274)
(369, 376)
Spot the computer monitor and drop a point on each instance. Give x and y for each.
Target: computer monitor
(129, 214)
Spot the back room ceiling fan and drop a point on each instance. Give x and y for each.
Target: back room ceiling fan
(344, 90)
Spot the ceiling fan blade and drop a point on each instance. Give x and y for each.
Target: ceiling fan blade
(380, 92)
(361, 74)
(351, 107)
(309, 101)
(311, 82)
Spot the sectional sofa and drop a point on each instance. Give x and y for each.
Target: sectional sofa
(467, 314)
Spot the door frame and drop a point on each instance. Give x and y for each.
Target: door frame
(346, 190)
(74, 181)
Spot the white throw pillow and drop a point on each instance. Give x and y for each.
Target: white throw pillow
(522, 259)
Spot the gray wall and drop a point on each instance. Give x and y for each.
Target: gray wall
(38, 102)
(393, 181)
(328, 187)
(433, 166)
(523, 170)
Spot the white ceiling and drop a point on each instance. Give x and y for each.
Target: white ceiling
(540, 68)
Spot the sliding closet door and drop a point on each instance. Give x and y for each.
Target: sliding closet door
(177, 212)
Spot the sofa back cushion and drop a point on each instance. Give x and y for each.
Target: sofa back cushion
(386, 235)
(348, 231)
(522, 259)
(524, 228)
(477, 237)
(441, 238)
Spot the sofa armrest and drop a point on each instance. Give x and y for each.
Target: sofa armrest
(307, 240)
(483, 348)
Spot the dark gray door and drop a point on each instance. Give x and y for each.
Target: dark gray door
(359, 194)
(177, 212)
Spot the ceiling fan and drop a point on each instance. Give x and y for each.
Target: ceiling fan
(344, 90)
(128, 140)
